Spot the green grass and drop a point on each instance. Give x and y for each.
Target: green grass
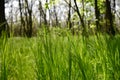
(56, 57)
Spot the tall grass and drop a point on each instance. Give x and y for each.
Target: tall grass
(54, 56)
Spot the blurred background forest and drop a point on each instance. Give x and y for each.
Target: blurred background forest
(86, 17)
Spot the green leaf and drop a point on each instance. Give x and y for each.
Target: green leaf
(46, 5)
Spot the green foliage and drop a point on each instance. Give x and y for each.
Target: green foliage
(46, 5)
(52, 56)
(51, 3)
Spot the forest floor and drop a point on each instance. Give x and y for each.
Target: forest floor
(54, 57)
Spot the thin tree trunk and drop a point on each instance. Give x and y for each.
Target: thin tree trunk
(56, 18)
(29, 20)
(97, 13)
(109, 19)
(11, 18)
(69, 15)
(83, 5)
(45, 14)
(42, 13)
(2, 17)
(114, 4)
(84, 32)
(22, 20)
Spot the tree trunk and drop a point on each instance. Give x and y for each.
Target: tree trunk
(114, 4)
(22, 27)
(29, 20)
(69, 15)
(56, 17)
(109, 19)
(2, 17)
(42, 13)
(84, 31)
(97, 13)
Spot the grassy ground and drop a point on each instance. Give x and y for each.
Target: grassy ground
(55, 57)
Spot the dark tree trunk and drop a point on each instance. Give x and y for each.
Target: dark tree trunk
(56, 18)
(84, 31)
(45, 14)
(22, 28)
(29, 19)
(79, 15)
(69, 15)
(2, 17)
(109, 19)
(83, 5)
(30, 23)
(114, 4)
(97, 13)
(42, 13)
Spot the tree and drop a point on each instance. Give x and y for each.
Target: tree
(97, 13)
(55, 14)
(42, 13)
(29, 18)
(2, 17)
(84, 32)
(69, 15)
(109, 19)
(21, 18)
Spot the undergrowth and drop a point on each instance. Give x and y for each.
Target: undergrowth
(51, 56)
